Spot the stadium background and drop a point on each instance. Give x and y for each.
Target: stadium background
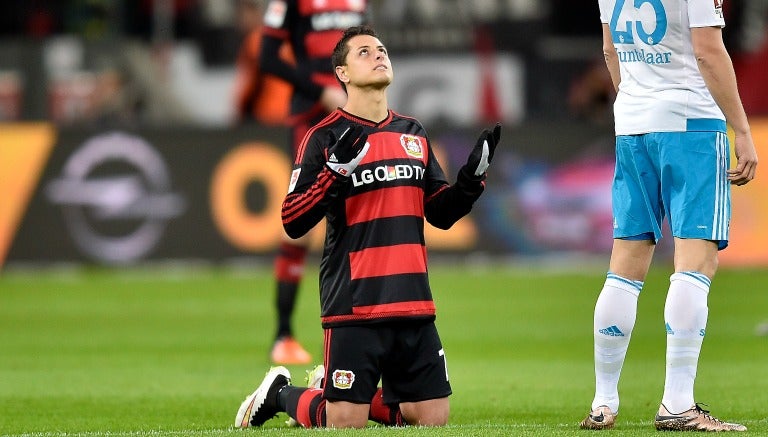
(119, 144)
(138, 221)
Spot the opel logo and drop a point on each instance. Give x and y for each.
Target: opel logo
(116, 199)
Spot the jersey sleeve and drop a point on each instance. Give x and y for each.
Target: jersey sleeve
(706, 13)
(277, 19)
(280, 21)
(605, 10)
(445, 204)
(313, 186)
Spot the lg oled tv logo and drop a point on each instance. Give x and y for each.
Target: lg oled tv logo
(115, 196)
(386, 173)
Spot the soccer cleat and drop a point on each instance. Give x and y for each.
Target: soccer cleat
(288, 351)
(695, 419)
(261, 405)
(314, 379)
(600, 418)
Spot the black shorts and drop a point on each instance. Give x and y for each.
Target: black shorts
(407, 357)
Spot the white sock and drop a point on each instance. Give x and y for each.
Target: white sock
(685, 314)
(615, 314)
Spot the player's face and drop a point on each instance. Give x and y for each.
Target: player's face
(368, 63)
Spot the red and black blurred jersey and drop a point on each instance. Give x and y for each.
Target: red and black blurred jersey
(374, 264)
(312, 27)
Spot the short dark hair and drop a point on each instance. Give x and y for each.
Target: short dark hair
(340, 52)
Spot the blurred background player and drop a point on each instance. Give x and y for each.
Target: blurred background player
(676, 89)
(260, 97)
(311, 28)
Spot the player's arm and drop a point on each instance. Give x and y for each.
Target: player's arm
(321, 177)
(446, 204)
(279, 21)
(717, 70)
(611, 58)
(305, 204)
(272, 63)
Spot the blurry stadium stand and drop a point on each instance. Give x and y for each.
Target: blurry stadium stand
(137, 97)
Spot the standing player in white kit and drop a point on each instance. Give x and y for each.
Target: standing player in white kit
(676, 89)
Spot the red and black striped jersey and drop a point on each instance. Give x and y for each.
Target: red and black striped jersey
(374, 264)
(312, 27)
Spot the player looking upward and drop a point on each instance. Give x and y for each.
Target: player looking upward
(312, 29)
(371, 173)
(676, 89)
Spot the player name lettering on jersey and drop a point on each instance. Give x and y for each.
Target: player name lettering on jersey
(641, 56)
(336, 20)
(387, 173)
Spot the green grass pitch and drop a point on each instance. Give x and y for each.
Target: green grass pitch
(172, 352)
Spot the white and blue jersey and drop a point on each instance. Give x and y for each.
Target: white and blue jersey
(672, 153)
(661, 87)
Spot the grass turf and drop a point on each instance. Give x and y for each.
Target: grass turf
(173, 352)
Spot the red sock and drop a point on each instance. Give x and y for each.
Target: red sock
(307, 406)
(385, 414)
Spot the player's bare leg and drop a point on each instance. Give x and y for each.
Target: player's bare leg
(432, 412)
(341, 414)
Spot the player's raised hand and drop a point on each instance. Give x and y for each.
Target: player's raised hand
(347, 151)
(482, 154)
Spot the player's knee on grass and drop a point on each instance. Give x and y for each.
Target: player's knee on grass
(339, 414)
(433, 412)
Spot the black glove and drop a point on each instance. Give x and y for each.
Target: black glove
(347, 151)
(482, 154)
